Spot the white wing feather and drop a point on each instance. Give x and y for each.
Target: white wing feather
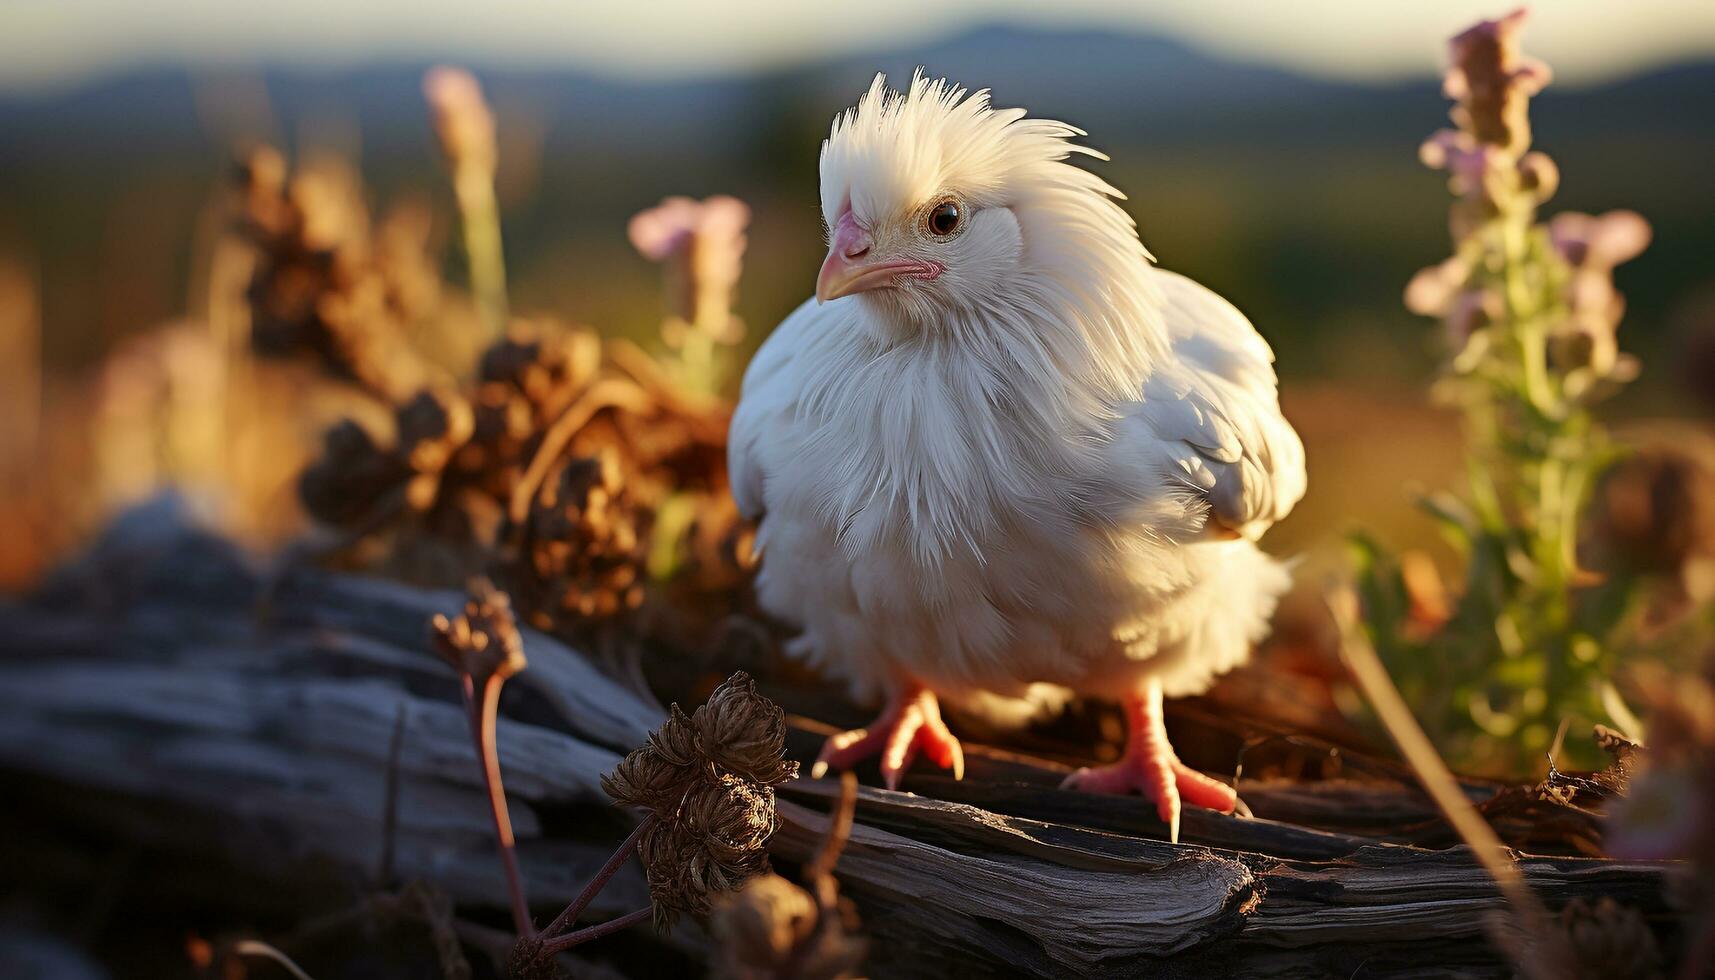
(770, 387)
(1209, 421)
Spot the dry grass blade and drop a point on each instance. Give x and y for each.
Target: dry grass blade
(1496, 858)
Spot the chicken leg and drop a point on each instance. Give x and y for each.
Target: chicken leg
(1150, 767)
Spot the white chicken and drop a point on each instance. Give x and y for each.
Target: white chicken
(1000, 453)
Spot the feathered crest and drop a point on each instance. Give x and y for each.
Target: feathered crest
(895, 149)
(1089, 272)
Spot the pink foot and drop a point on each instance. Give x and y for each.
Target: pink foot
(909, 724)
(1151, 768)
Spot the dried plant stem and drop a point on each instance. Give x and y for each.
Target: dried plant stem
(482, 724)
(256, 947)
(1372, 678)
(560, 944)
(819, 873)
(607, 393)
(602, 877)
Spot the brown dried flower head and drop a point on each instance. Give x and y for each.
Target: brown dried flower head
(744, 732)
(643, 779)
(773, 928)
(344, 486)
(712, 795)
(431, 427)
(1624, 756)
(715, 840)
(734, 816)
(483, 641)
(583, 545)
(675, 742)
(322, 285)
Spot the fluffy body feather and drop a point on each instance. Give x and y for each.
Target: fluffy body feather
(1047, 466)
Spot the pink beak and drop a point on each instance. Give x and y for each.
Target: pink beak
(851, 268)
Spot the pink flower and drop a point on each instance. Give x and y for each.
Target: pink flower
(1599, 242)
(463, 123)
(1489, 54)
(702, 243)
(665, 229)
(668, 228)
(1475, 167)
(1492, 81)
(1431, 291)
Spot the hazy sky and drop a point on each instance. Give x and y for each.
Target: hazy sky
(57, 41)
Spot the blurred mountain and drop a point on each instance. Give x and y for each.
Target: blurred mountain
(1299, 197)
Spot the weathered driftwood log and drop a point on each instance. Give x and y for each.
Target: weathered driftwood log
(166, 668)
(166, 693)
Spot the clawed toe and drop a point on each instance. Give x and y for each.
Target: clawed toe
(910, 725)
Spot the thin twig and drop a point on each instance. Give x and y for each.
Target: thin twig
(565, 919)
(560, 944)
(482, 725)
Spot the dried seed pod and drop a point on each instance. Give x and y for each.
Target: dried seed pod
(583, 545)
(431, 427)
(744, 732)
(345, 486)
(771, 929)
(1624, 755)
(712, 824)
(758, 927)
(319, 287)
(733, 818)
(646, 780)
(714, 842)
(546, 366)
(483, 641)
(675, 742)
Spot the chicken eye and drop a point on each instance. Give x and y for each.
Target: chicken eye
(944, 219)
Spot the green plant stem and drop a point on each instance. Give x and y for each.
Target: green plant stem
(479, 220)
